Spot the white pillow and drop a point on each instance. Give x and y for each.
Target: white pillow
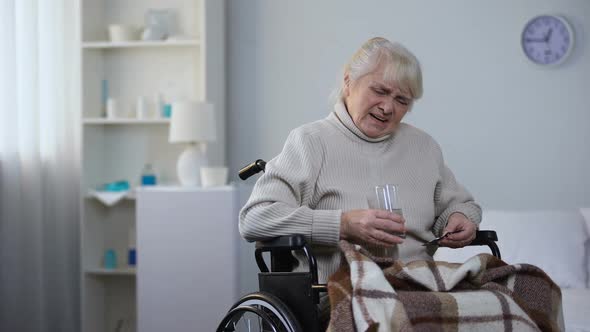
(575, 304)
(586, 213)
(553, 240)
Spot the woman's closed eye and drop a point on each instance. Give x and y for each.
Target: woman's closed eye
(403, 100)
(380, 91)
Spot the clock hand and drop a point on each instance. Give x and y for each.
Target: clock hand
(548, 35)
(538, 40)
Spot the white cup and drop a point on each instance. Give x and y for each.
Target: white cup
(123, 33)
(141, 108)
(213, 176)
(112, 108)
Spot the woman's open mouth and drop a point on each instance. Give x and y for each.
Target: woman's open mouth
(378, 118)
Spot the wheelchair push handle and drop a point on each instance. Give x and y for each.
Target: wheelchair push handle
(251, 169)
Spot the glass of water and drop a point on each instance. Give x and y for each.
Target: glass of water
(387, 198)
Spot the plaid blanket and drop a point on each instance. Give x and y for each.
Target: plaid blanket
(485, 294)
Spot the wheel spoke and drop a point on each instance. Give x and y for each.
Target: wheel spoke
(259, 312)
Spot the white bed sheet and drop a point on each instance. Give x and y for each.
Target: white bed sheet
(576, 309)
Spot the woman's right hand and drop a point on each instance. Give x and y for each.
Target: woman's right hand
(372, 227)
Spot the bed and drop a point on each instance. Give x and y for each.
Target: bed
(557, 241)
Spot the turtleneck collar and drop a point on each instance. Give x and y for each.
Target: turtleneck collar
(342, 115)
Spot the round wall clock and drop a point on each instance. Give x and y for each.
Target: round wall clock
(547, 39)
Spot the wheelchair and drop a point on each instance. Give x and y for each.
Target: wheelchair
(287, 301)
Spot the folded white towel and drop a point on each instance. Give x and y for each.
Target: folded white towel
(109, 198)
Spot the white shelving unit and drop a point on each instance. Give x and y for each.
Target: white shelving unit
(113, 272)
(188, 67)
(130, 44)
(103, 121)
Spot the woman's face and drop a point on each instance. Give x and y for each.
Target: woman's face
(376, 106)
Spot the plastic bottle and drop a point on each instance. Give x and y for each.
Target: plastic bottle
(148, 176)
(131, 251)
(110, 259)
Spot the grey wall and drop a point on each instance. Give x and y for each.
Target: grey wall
(514, 133)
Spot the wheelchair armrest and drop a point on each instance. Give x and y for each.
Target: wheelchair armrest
(483, 237)
(487, 238)
(290, 242)
(281, 259)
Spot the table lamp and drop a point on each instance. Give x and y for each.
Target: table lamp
(192, 123)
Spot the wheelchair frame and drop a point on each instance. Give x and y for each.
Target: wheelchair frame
(296, 294)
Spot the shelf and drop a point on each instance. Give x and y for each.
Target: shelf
(128, 271)
(170, 188)
(140, 44)
(123, 121)
(129, 196)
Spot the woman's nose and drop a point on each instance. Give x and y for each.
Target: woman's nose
(386, 107)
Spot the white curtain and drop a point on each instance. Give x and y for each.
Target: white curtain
(39, 172)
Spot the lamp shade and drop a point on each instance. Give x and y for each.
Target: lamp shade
(192, 122)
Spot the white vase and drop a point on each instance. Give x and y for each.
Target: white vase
(189, 165)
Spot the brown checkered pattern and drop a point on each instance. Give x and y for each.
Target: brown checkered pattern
(483, 294)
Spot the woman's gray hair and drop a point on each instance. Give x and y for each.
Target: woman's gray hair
(401, 65)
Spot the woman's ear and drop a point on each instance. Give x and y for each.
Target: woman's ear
(346, 85)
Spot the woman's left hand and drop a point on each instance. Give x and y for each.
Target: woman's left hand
(466, 231)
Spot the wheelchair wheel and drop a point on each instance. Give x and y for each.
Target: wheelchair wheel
(259, 312)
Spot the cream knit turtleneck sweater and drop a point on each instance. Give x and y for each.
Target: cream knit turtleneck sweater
(330, 166)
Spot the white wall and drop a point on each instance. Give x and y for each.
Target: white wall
(514, 133)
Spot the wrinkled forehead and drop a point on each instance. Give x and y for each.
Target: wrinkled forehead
(394, 77)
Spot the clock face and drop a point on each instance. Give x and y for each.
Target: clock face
(547, 39)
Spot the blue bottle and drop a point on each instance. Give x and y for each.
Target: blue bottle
(167, 111)
(110, 259)
(148, 176)
(131, 257)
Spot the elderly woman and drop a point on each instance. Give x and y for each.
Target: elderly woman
(319, 184)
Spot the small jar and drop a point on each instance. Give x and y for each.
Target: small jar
(148, 176)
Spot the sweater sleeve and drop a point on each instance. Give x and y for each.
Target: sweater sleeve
(450, 197)
(280, 203)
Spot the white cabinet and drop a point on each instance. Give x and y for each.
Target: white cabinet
(190, 66)
(187, 257)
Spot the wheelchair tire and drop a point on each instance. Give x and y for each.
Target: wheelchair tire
(273, 314)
